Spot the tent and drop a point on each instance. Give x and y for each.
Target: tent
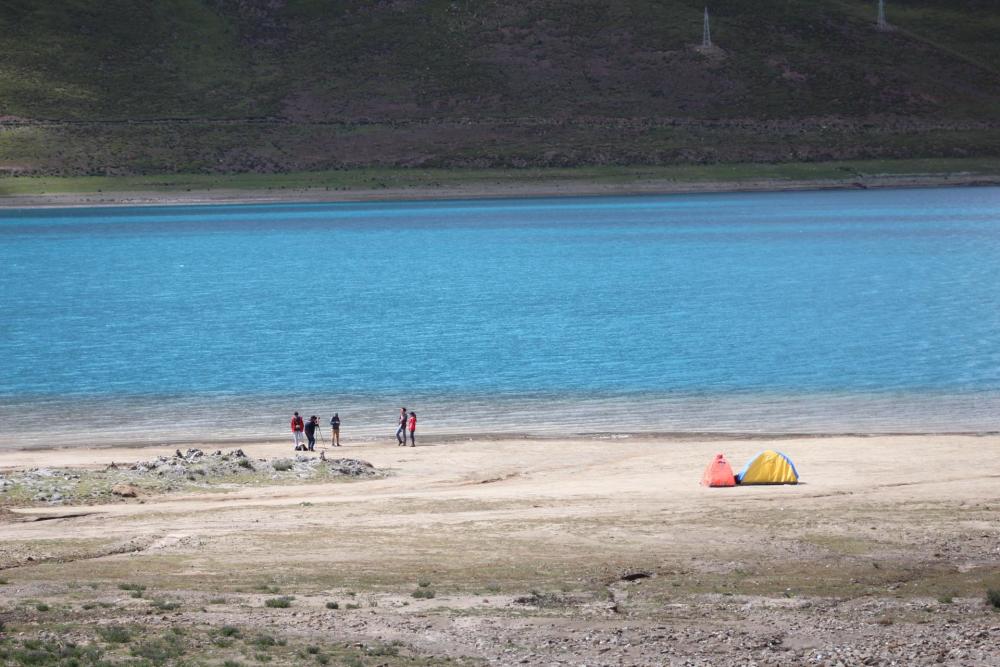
(718, 473)
(768, 467)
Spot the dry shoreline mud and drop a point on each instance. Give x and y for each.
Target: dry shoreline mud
(506, 551)
(541, 188)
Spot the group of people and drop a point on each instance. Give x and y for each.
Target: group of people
(304, 431)
(407, 422)
(301, 427)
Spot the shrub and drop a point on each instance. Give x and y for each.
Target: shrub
(157, 651)
(232, 663)
(166, 605)
(217, 601)
(245, 463)
(229, 631)
(946, 598)
(312, 650)
(322, 659)
(423, 593)
(993, 597)
(282, 465)
(262, 657)
(131, 587)
(115, 634)
(264, 640)
(353, 606)
(41, 606)
(389, 650)
(282, 602)
(333, 605)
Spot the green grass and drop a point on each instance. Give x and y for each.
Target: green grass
(403, 179)
(184, 86)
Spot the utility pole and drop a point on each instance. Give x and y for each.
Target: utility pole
(706, 33)
(882, 25)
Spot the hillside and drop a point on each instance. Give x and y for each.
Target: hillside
(119, 87)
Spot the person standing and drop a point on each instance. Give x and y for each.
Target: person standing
(335, 430)
(311, 432)
(297, 428)
(401, 428)
(413, 429)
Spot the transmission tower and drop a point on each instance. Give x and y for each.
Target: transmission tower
(706, 34)
(882, 25)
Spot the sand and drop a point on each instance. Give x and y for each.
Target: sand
(884, 552)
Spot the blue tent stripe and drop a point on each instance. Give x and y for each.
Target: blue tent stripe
(739, 477)
(785, 456)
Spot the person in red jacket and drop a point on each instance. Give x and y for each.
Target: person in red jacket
(412, 424)
(298, 426)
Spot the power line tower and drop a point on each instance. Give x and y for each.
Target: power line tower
(881, 24)
(706, 33)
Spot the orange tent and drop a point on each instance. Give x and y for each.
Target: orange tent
(718, 473)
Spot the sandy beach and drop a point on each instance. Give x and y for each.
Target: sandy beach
(545, 551)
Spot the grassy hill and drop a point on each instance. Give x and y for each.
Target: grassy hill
(177, 86)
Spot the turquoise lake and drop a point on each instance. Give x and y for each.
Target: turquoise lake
(811, 312)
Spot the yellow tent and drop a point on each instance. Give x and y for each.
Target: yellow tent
(769, 467)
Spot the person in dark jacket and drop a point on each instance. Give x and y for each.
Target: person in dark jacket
(401, 428)
(335, 430)
(311, 432)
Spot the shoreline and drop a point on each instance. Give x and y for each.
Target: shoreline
(555, 187)
(433, 440)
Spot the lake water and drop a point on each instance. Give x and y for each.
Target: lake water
(848, 311)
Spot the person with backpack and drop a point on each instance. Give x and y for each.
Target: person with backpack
(401, 428)
(413, 429)
(335, 430)
(297, 428)
(311, 432)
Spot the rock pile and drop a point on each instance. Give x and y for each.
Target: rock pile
(195, 463)
(191, 469)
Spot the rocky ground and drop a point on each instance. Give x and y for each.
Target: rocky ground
(191, 470)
